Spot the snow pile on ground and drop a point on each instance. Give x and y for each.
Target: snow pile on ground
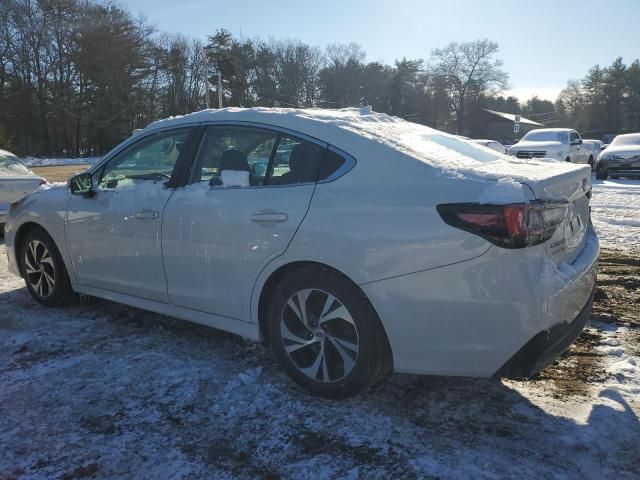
(615, 212)
(50, 162)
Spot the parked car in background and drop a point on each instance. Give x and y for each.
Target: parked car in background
(493, 144)
(557, 143)
(621, 158)
(595, 146)
(16, 181)
(368, 244)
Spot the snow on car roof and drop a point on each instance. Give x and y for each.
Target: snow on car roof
(377, 133)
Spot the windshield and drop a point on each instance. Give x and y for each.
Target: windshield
(12, 166)
(629, 139)
(546, 136)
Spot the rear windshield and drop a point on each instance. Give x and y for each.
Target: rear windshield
(630, 139)
(12, 166)
(537, 136)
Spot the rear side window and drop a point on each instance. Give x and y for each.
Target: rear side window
(295, 161)
(331, 163)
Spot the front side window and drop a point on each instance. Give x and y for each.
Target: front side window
(151, 159)
(574, 137)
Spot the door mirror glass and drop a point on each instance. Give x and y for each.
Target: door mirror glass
(81, 184)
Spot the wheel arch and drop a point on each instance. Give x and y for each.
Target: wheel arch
(20, 235)
(281, 272)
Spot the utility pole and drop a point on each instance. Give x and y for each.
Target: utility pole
(206, 77)
(219, 89)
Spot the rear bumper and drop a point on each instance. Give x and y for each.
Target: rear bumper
(542, 350)
(473, 317)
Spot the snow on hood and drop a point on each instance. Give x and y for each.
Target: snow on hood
(377, 133)
(623, 150)
(536, 145)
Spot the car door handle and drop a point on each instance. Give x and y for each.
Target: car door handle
(269, 217)
(147, 215)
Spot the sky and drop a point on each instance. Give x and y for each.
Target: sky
(543, 43)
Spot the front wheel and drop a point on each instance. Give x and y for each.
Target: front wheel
(43, 269)
(326, 335)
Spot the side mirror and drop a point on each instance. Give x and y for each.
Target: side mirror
(603, 147)
(81, 184)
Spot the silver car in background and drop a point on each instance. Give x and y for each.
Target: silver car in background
(353, 243)
(16, 181)
(621, 158)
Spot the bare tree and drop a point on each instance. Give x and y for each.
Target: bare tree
(470, 71)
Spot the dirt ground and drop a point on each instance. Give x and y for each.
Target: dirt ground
(58, 173)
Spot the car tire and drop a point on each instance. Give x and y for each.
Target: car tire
(590, 162)
(337, 357)
(567, 160)
(43, 269)
(601, 175)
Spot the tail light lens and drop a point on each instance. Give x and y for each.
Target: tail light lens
(43, 182)
(509, 226)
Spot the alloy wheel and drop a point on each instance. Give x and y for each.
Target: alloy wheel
(39, 270)
(319, 335)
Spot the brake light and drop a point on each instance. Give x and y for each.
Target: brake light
(43, 182)
(508, 226)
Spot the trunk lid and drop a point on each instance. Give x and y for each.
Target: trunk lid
(554, 181)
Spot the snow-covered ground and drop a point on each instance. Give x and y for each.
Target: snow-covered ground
(615, 211)
(102, 388)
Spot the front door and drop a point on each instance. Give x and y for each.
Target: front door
(250, 190)
(114, 236)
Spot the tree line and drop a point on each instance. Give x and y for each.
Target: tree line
(78, 76)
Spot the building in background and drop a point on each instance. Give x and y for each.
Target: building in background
(484, 123)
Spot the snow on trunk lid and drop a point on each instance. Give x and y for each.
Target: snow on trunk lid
(573, 187)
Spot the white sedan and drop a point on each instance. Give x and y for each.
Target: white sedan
(16, 181)
(351, 242)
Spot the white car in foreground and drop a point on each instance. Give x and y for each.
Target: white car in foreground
(562, 144)
(16, 181)
(367, 244)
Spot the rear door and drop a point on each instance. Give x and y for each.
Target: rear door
(249, 190)
(114, 235)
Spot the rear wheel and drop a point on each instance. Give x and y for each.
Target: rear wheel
(602, 175)
(326, 335)
(43, 269)
(567, 159)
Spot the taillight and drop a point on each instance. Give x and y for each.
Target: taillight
(42, 182)
(508, 226)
